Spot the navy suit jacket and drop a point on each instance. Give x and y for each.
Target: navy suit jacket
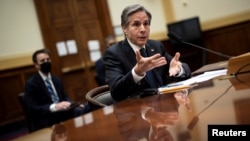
(38, 100)
(100, 72)
(119, 59)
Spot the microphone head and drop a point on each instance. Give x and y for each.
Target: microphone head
(175, 37)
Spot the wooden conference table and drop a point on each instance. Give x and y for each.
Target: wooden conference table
(173, 116)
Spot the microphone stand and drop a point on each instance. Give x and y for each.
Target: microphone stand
(208, 50)
(179, 39)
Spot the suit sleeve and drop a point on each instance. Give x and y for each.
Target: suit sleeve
(35, 98)
(185, 66)
(119, 76)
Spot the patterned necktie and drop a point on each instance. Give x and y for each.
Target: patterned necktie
(149, 75)
(54, 97)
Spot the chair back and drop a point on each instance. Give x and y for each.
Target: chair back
(99, 97)
(28, 117)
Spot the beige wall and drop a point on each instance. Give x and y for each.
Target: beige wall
(209, 9)
(212, 13)
(20, 33)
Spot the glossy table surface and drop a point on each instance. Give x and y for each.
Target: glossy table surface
(179, 116)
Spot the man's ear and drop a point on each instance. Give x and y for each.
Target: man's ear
(124, 30)
(36, 65)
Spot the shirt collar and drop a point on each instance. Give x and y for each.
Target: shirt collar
(134, 47)
(44, 77)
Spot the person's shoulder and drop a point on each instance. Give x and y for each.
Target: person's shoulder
(119, 43)
(53, 76)
(33, 77)
(154, 44)
(151, 41)
(99, 61)
(116, 47)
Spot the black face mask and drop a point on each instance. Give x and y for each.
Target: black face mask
(45, 67)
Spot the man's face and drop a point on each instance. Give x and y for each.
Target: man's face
(138, 29)
(42, 58)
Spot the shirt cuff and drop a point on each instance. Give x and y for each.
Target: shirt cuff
(137, 78)
(53, 107)
(181, 72)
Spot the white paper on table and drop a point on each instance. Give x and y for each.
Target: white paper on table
(108, 110)
(201, 78)
(88, 118)
(71, 45)
(61, 48)
(78, 121)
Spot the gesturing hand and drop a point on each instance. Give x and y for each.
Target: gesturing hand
(183, 99)
(175, 65)
(145, 64)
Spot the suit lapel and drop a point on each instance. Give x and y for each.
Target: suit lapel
(150, 50)
(129, 53)
(55, 83)
(42, 84)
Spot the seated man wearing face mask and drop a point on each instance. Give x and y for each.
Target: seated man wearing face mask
(45, 96)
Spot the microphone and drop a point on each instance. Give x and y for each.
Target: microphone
(177, 38)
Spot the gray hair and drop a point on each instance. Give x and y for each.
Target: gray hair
(127, 11)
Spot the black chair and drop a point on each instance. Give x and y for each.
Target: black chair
(28, 118)
(99, 97)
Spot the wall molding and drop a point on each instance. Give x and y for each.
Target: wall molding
(16, 61)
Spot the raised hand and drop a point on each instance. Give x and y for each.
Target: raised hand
(145, 64)
(175, 65)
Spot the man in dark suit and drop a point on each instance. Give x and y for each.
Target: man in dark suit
(45, 96)
(127, 71)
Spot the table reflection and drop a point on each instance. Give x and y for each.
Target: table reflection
(149, 118)
(180, 116)
(59, 133)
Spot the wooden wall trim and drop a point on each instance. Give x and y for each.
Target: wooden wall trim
(225, 21)
(15, 62)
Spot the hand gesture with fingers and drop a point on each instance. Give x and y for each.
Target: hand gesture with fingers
(145, 64)
(175, 65)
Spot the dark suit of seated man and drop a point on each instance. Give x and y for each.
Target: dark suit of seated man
(99, 66)
(48, 108)
(128, 71)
